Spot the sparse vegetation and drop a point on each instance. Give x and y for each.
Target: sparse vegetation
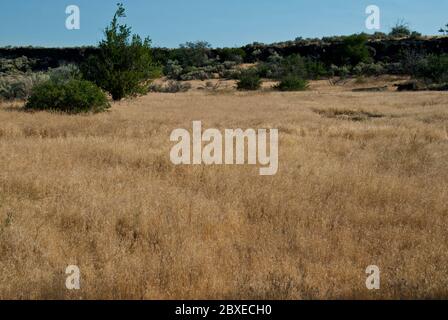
(20, 86)
(402, 30)
(172, 86)
(433, 69)
(17, 65)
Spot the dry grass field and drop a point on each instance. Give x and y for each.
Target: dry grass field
(363, 180)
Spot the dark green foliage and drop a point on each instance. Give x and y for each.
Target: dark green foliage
(354, 50)
(315, 69)
(231, 54)
(400, 30)
(278, 67)
(17, 65)
(192, 54)
(433, 69)
(369, 69)
(249, 80)
(124, 63)
(444, 30)
(409, 61)
(342, 71)
(73, 96)
(293, 65)
(292, 83)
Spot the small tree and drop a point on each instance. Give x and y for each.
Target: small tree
(444, 30)
(400, 30)
(354, 50)
(124, 63)
(193, 54)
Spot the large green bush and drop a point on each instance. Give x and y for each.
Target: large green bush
(433, 69)
(124, 63)
(73, 96)
(315, 69)
(278, 67)
(292, 83)
(249, 80)
(354, 50)
(192, 54)
(231, 54)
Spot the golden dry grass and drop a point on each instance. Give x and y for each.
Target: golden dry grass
(100, 192)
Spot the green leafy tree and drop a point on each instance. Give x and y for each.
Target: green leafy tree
(400, 30)
(354, 50)
(232, 54)
(124, 64)
(193, 54)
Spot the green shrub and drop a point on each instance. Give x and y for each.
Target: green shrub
(249, 80)
(192, 54)
(173, 70)
(19, 86)
(73, 96)
(433, 69)
(315, 69)
(292, 83)
(233, 74)
(409, 61)
(65, 73)
(194, 73)
(369, 69)
(354, 50)
(400, 30)
(171, 86)
(236, 55)
(124, 64)
(293, 65)
(278, 67)
(17, 65)
(342, 71)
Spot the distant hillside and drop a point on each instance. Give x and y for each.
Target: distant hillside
(326, 50)
(385, 50)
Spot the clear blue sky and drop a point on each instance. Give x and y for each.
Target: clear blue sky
(222, 23)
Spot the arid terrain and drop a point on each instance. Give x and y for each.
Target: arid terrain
(362, 180)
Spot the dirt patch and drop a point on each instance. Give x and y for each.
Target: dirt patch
(348, 114)
(371, 89)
